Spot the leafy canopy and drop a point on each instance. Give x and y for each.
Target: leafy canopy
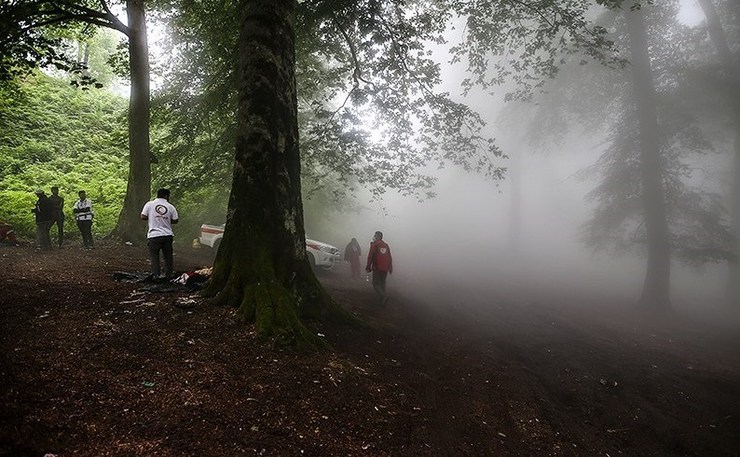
(370, 113)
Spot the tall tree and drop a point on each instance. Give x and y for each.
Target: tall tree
(656, 288)
(598, 101)
(261, 266)
(138, 187)
(731, 72)
(368, 109)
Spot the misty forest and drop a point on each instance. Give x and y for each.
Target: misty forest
(558, 182)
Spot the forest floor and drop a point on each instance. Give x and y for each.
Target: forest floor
(92, 366)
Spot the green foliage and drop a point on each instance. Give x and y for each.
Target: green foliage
(54, 135)
(528, 42)
(33, 34)
(369, 110)
(370, 113)
(26, 45)
(118, 61)
(100, 49)
(23, 48)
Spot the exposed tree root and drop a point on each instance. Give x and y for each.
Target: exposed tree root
(277, 311)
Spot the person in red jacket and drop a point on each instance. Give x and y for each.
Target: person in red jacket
(380, 262)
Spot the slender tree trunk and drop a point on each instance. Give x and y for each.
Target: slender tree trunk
(732, 68)
(80, 46)
(86, 55)
(515, 206)
(717, 34)
(656, 289)
(138, 190)
(86, 59)
(261, 266)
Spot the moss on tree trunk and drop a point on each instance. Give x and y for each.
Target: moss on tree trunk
(275, 304)
(261, 266)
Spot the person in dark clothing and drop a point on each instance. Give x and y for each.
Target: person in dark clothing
(380, 262)
(57, 217)
(352, 255)
(44, 212)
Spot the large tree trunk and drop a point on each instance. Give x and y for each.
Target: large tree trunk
(261, 266)
(138, 190)
(655, 292)
(732, 70)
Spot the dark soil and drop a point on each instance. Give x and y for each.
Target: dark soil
(91, 366)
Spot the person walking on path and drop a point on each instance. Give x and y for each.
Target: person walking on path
(352, 255)
(44, 214)
(160, 214)
(380, 262)
(84, 216)
(57, 217)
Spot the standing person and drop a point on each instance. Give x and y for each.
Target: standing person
(84, 216)
(160, 215)
(57, 217)
(352, 255)
(44, 213)
(380, 262)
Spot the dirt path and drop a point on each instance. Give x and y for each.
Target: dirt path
(91, 366)
(566, 380)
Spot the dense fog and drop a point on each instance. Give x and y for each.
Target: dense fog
(521, 239)
(471, 236)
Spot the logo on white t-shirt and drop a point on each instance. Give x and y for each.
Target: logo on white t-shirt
(161, 210)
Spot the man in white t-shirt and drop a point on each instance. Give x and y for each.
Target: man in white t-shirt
(160, 215)
(83, 212)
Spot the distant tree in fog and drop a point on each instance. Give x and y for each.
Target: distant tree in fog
(727, 83)
(648, 196)
(664, 133)
(656, 289)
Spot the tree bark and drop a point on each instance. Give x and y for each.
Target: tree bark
(138, 190)
(732, 69)
(656, 288)
(261, 266)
